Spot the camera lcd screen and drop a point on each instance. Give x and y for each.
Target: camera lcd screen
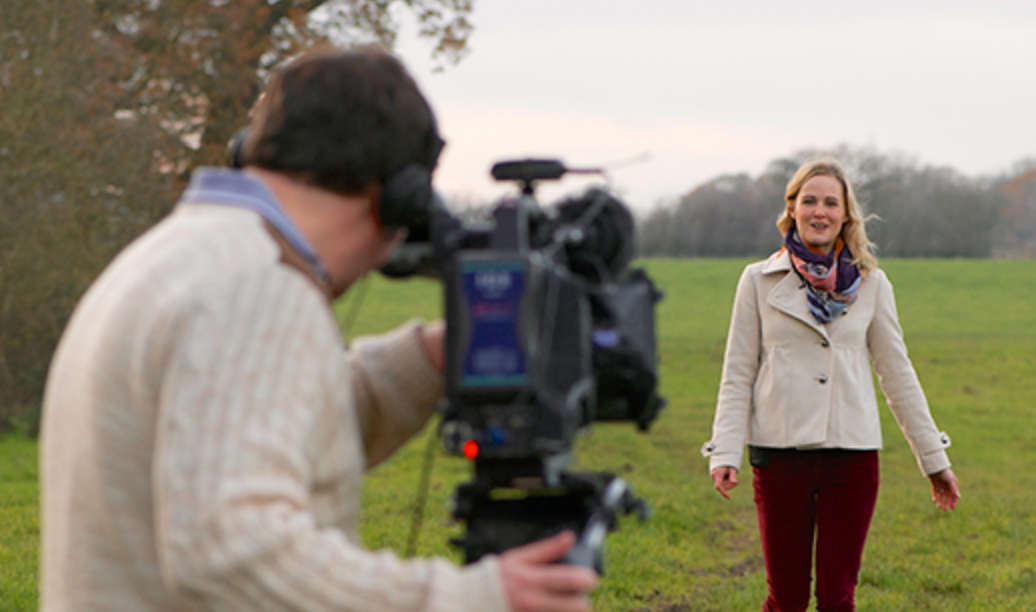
(493, 292)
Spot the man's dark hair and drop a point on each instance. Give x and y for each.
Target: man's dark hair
(343, 120)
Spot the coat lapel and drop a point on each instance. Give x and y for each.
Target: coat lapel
(788, 295)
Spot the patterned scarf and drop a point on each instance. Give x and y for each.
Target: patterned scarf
(831, 287)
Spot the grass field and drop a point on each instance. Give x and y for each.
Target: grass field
(971, 330)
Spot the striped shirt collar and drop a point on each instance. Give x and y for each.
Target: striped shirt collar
(236, 188)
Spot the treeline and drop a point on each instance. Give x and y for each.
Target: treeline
(916, 210)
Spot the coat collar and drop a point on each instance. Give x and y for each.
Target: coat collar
(778, 262)
(789, 294)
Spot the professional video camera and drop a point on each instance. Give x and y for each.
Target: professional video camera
(548, 330)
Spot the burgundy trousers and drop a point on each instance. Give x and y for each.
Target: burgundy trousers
(799, 494)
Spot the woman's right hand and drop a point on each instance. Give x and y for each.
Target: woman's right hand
(724, 478)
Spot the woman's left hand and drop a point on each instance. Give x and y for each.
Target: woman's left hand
(945, 492)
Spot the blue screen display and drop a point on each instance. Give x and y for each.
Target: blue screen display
(493, 291)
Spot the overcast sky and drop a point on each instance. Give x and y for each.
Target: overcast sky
(707, 88)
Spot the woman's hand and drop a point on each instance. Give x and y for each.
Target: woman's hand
(725, 478)
(945, 492)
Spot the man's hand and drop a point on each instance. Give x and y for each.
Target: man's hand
(534, 583)
(724, 478)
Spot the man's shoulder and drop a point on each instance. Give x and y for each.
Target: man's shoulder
(197, 254)
(223, 231)
(198, 241)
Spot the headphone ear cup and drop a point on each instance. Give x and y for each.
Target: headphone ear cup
(235, 149)
(406, 198)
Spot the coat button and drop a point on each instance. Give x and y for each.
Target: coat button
(824, 343)
(822, 379)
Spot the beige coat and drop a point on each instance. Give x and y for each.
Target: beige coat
(791, 382)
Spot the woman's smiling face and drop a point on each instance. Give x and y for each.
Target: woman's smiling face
(819, 212)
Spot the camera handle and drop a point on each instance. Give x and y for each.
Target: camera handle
(616, 500)
(527, 172)
(589, 504)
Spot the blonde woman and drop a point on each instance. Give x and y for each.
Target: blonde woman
(807, 323)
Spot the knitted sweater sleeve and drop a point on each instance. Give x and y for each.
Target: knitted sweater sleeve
(245, 396)
(395, 389)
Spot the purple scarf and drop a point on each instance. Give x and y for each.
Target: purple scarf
(832, 281)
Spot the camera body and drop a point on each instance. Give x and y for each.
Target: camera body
(548, 331)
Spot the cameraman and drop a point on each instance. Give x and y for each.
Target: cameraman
(205, 434)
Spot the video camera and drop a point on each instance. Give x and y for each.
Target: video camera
(548, 331)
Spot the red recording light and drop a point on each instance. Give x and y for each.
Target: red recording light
(471, 449)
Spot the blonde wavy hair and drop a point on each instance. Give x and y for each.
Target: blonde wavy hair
(854, 233)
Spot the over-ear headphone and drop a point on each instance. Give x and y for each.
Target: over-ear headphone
(235, 148)
(406, 199)
(406, 195)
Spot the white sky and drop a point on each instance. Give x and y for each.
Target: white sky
(707, 88)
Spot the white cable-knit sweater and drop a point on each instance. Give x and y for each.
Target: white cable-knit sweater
(205, 437)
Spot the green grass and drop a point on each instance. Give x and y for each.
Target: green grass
(971, 330)
(19, 524)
